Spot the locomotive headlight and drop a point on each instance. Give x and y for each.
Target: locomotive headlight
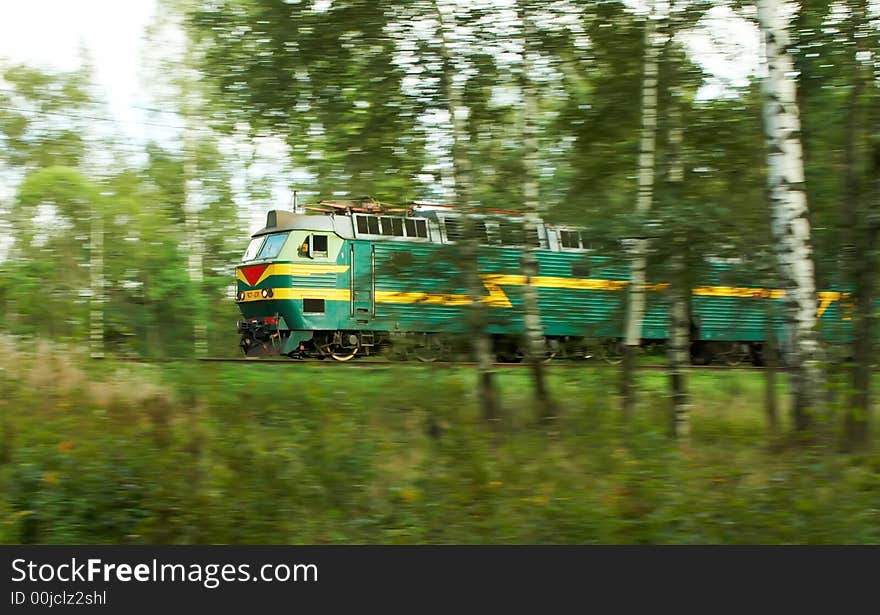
(265, 293)
(271, 293)
(241, 295)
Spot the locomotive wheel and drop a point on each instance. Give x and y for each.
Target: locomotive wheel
(732, 353)
(553, 348)
(395, 352)
(334, 347)
(344, 355)
(611, 351)
(508, 352)
(424, 356)
(519, 354)
(519, 357)
(428, 349)
(504, 358)
(701, 353)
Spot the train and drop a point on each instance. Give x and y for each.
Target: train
(344, 279)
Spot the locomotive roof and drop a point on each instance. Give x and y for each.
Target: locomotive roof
(280, 220)
(329, 219)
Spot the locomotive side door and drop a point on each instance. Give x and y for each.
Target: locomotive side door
(362, 278)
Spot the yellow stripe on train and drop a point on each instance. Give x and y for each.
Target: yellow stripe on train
(292, 269)
(497, 297)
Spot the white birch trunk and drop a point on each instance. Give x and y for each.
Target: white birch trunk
(791, 226)
(96, 273)
(195, 269)
(461, 169)
(679, 318)
(194, 244)
(636, 296)
(536, 345)
(678, 349)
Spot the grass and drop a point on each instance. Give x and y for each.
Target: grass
(97, 452)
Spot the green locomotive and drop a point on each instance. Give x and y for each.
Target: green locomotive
(356, 277)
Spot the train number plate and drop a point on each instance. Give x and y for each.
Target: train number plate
(250, 295)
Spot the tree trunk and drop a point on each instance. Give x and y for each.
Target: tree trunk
(195, 271)
(769, 352)
(152, 337)
(679, 314)
(536, 345)
(679, 336)
(636, 303)
(858, 416)
(859, 407)
(791, 225)
(860, 259)
(96, 313)
(194, 244)
(482, 343)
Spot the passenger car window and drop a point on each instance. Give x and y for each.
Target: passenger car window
(273, 245)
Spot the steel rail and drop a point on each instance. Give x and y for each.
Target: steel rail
(367, 363)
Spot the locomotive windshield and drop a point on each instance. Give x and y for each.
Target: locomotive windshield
(273, 245)
(251, 252)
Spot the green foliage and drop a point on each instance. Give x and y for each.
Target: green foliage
(37, 117)
(600, 116)
(73, 199)
(46, 286)
(328, 79)
(103, 453)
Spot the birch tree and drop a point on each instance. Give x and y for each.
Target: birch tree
(679, 312)
(681, 262)
(96, 275)
(636, 301)
(194, 245)
(790, 214)
(536, 347)
(461, 169)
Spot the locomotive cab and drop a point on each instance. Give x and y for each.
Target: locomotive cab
(287, 276)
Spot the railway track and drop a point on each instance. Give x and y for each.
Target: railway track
(377, 363)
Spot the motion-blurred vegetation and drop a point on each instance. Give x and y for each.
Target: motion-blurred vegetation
(104, 452)
(128, 248)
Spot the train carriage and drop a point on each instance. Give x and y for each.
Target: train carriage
(355, 277)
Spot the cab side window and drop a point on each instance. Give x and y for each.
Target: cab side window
(319, 245)
(314, 246)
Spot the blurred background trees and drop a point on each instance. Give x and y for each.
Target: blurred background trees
(352, 97)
